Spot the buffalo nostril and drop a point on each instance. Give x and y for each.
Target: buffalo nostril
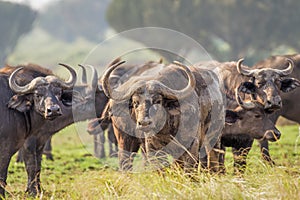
(273, 135)
(277, 135)
(49, 111)
(53, 110)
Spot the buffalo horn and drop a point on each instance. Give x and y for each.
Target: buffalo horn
(288, 70)
(72, 80)
(243, 71)
(20, 89)
(106, 86)
(243, 104)
(83, 78)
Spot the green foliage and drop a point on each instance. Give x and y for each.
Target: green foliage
(15, 20)
(48, 51)
(75, 174)
(248, 28)
(70, 19)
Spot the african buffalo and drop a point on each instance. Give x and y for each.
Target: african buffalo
(117, 77)
(262, 84)
(250, 119)
(290, 104)
(87, 97)
(167, 109)
(26, 106)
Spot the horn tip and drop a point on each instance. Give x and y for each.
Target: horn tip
(62, 64)
(241, 60)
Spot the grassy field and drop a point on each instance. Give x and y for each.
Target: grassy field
(76, 174)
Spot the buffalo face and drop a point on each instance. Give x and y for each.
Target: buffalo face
(43, 94)
(148, 110)
(148, 97)
(250, 117)
(46, 100)
(269, 83)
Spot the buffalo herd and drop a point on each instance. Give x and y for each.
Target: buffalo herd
(189, 112)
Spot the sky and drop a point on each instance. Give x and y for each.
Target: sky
(36, 4)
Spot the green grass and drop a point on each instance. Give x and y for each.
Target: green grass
(76, 174)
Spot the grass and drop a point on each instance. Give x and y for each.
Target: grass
(76, 174)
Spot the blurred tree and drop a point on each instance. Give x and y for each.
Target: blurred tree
(228, 29)
(15, 20)
(70, 19)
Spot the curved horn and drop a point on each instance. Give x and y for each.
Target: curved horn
(73, 77)
(94, 76)
(83, 78)
(17, 88)
(288, 70)
(243, 71)
(243, 104)
(106, 86)
(180, 94)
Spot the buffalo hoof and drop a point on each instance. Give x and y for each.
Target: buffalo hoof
(49, 157)
(33, 191)
(269, 160)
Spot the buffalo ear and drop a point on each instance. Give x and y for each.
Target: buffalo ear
(67, 97)
(289, 84)
(172, 106)
(22, 103)
(248, 88)
(231, 117)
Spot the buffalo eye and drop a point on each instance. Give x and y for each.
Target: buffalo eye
(261, 83)
(257, 116)
(278, 82)
(57, 91)
(157, 101)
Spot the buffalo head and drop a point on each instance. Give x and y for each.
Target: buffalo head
(269, 82)
(250, 117)
(43, 93)
(150, 100)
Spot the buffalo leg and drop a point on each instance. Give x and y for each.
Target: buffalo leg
(48, 150)
(222, 159)
(214, 158)
(99, 140)
(264, 148)
(128, 147)
(189, 161)
(112, 142)
(32, 158)
(210, 158)
(240, 152)
(4, 163)
(155, 156)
